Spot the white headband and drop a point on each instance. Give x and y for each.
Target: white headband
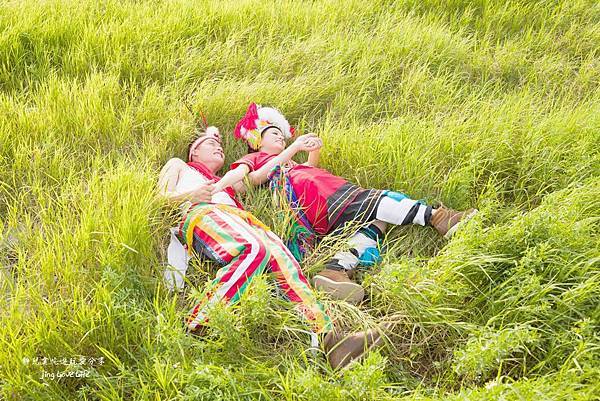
(211, 133)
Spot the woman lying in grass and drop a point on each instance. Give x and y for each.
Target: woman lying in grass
(324, 203)
(216, 225)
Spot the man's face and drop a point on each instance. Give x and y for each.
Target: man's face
(209, 152)
(273, 141)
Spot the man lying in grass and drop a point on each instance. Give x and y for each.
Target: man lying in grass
(215, 225)
(322, 202)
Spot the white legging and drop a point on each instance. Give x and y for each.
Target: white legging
(394, 209)
(401, 212)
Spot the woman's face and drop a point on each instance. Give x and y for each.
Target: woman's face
(273, 141)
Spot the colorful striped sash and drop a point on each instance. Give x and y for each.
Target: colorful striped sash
(196, 212)
(301, 236)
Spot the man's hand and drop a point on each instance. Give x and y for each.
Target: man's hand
(215, 188)
(203, 193)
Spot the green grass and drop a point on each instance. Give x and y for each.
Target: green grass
(490, 104)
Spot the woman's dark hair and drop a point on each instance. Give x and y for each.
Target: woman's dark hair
(250, 150)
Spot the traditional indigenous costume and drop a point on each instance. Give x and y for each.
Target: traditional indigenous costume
(232, 237)
(324, 203)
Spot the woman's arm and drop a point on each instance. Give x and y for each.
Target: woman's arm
(231, 178)
(239, 187)
(313, 158)
(303, 143)
(167, 184)
(314, 155)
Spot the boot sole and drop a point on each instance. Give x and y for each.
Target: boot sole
(377, 342)
(349, 292)
(356, 359)
(454, 228)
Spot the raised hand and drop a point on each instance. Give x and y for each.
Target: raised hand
(315, 143)
(308, 142)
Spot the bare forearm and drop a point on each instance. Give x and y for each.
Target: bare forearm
(232, 177)
(176, 197)
(313, 158)
(239, 187)
(260, 176)
(167, 185)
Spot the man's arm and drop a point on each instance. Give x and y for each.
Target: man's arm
(167, 184)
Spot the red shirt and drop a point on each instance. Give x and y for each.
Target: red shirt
(312, 185)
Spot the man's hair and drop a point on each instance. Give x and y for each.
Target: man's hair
(211, 132)
(198, 133)
(189, 148)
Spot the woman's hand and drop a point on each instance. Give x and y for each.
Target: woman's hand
(307, 143)
(315, 143)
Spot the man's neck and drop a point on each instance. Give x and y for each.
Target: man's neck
(212, 167)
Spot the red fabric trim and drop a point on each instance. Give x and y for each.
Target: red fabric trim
(206, 172)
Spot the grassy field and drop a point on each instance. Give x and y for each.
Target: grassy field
(490, 104)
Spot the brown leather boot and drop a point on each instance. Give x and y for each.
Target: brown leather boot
(341, 350)
(338, 285)
(200, 331)
(446, 221)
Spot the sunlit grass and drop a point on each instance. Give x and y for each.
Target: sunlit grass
(494, 105)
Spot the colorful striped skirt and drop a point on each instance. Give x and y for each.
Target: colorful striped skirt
(244, 247)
